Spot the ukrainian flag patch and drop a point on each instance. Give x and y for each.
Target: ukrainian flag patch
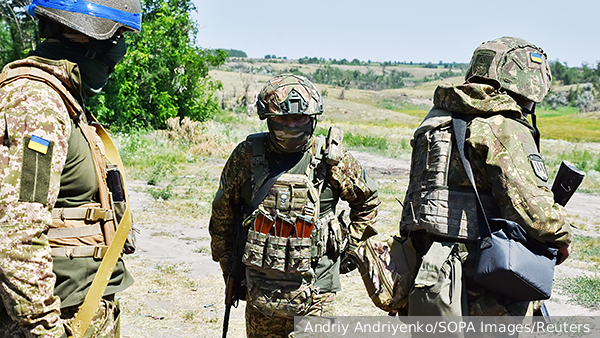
(535, 57)
(38, 144)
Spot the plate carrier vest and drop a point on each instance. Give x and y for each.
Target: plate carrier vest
(287, 233)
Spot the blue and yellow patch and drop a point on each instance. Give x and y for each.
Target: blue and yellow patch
(38, 144)
(535, 57)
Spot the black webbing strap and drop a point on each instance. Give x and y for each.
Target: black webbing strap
(459, 122)
(285, 165)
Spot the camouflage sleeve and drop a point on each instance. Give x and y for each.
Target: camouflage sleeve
(227, 202)
(518, 178)
(35, 126)
(360, 191)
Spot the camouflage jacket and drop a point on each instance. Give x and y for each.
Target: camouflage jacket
(37, 161)
(346, 180)
(502, 152)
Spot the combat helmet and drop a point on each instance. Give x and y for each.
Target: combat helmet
(513, 65)
(99, 19)
(289, 95)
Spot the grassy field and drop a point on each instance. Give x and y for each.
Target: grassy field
(179, 169)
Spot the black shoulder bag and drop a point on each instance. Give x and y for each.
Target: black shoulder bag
(511, 263)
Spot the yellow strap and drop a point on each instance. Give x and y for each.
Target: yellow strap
(87, 310)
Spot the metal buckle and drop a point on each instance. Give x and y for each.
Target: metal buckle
(257, 160)
(95, 214)
(99, 252)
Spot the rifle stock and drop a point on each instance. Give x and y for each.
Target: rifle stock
(234, 289)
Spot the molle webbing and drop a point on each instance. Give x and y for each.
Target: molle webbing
(96, 251)
(431, 204)
(90, 214)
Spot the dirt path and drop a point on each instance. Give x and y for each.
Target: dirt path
(186, 245)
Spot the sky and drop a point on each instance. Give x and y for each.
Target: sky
(396, 30)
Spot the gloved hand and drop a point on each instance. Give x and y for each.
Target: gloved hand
(348, 261)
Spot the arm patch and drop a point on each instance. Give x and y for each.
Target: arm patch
(37, 166)
(537, 163)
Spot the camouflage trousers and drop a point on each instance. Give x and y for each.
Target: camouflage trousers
(260, 326)
(105, 323)
(444, 286)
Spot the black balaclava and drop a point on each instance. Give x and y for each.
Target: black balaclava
(94, 73)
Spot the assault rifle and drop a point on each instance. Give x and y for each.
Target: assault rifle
(235, 290)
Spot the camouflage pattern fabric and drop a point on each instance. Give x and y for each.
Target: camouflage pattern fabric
(27, 281)
(289, 94)
(347, 178)
(260, 326)
(104, 323)
(31, 109)
(502, 151)
(517, 65)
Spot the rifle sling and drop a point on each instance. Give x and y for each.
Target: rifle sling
(289, 162)
(87, 310)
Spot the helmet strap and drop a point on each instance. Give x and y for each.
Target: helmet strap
(536, 133)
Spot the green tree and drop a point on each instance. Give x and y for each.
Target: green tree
(164, 73)
(17, 31)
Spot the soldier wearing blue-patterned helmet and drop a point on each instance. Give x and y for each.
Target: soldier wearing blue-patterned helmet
(57, 214)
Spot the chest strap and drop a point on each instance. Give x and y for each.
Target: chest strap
(96, 251)
(88, 214)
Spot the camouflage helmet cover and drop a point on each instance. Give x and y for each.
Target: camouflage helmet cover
(517, 66)
(99, 19)
(289, 95)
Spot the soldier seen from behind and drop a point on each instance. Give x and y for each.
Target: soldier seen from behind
(505, 80)
(274, 223)
(58, 214)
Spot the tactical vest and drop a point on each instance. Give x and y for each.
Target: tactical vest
(432, 202)
(287, 231)
(87, 230)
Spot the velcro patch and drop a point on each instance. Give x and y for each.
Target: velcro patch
(483, 61)
(36, 172)
(537, 163)
(38, 144)
(535, 57)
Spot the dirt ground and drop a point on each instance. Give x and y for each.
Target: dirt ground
(179, 289)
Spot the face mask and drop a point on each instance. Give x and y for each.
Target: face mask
(94, 73)
(289, 139)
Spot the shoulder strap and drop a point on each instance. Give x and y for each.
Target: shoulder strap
(459, 122)
(279, 170)
(87, 310)
(258, 161)
(34, 73)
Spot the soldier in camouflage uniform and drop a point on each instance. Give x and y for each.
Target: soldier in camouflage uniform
(48, 255)
(290, 104)
(505, 80)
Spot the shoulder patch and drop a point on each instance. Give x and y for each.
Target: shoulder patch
(537, 163)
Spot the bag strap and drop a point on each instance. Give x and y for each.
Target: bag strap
(87, 310)
(285, 165)
(459, 122)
